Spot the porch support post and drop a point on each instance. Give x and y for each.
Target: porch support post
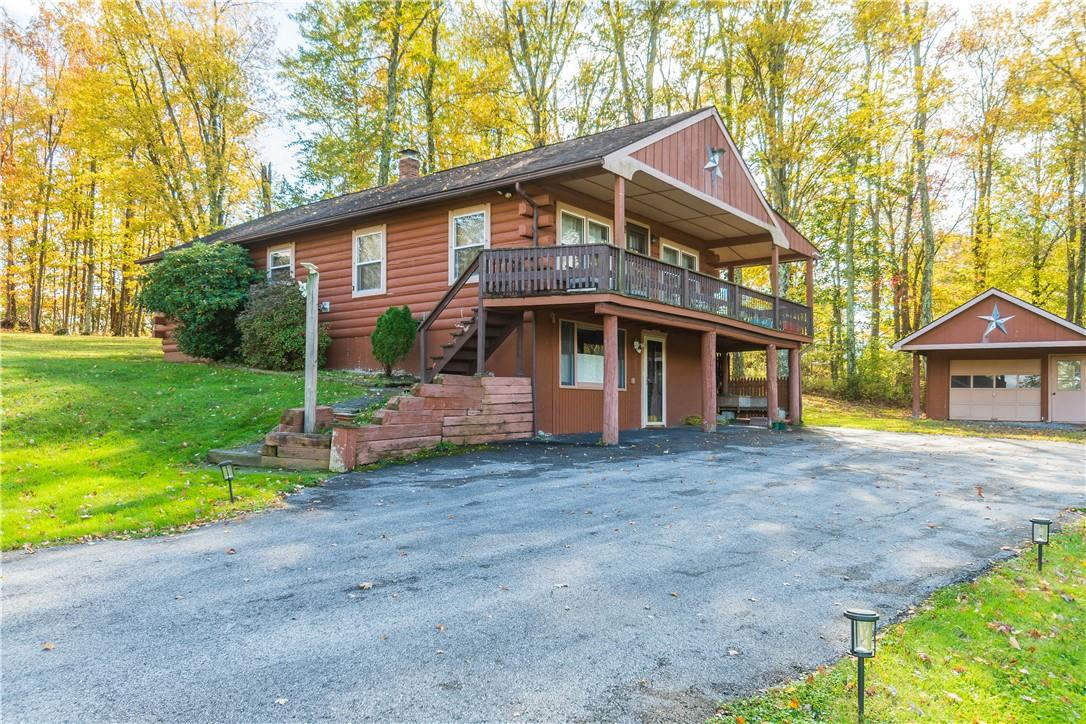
(610, 379)
(620, 212)
(794, 410)
(916, 385)
(771, 382)
(726, 373)
(708, 381)
(774, 270)
(810, 282)
(775, 283)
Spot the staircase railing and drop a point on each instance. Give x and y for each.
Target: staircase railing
(429, 319)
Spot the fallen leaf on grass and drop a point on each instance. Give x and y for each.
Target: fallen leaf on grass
(793, 704)
(1014, 643)
(953, 697)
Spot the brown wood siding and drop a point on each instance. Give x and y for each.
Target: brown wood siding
(682, 155)
(417, 255)
(1027, 326)
(561, 410)
(937, 395)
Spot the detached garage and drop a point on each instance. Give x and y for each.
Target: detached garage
(997, 357)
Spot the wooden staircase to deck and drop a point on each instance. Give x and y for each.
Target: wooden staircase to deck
(459, 355)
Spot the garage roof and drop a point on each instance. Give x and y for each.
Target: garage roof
(1016, 323)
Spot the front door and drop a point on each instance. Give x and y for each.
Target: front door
(1068, 400)
(655, 400)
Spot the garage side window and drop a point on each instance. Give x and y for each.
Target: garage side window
(983, 382)
(1029, 382)
(1068, 374)
(959, 382)
(581, 362)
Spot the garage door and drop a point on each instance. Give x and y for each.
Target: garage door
(1008, 389)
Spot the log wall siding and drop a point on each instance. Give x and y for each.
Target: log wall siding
(417, 257)
(682, 155)
(1027, 326)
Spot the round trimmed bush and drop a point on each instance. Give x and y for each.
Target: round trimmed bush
(272, 329)
(393, 336)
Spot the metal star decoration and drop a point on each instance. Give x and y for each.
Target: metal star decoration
(994, 322)
(716, 155)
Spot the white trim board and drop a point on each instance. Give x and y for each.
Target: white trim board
(903, 344)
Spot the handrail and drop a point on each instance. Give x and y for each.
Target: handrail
(426, 322)
(559, 269)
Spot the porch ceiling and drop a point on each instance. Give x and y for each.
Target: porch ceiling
(733, 239)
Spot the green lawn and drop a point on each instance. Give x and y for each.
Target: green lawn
(829, 412)
(101, 437)
(1008, 647)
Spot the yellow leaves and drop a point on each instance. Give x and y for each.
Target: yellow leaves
(793, 703)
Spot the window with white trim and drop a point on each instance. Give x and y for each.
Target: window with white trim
(678, 257)
(581, 355)
(369, 261)
(579, 228)
(469, 234)
(281, 264)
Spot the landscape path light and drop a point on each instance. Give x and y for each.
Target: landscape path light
(226, 467)
(861, 645)
(1041, 529)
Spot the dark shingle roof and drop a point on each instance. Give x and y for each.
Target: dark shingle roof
(577, 152)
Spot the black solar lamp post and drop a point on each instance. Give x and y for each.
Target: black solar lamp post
(226, 467)
(862, 644)
(1041, 528)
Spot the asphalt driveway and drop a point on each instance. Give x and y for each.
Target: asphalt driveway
(532, 582)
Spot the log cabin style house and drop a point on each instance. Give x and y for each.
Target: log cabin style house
(600, 267)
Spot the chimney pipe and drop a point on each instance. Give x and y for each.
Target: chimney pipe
(409, 164)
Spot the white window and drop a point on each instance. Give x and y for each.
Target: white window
(469, 234)
(369, 261)
(577, 227)
(281, 264)
(581, 355)
(678, 257)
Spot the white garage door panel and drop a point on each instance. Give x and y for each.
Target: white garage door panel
(1014, 404)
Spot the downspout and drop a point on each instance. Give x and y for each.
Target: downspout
(535, 213)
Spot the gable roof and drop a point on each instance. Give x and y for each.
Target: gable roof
(574, 154)
(911, 341)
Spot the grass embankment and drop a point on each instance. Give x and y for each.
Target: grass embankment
(1008, 647)
(101, 437)
(828, 412)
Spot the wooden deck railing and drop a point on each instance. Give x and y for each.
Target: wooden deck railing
(581, 268)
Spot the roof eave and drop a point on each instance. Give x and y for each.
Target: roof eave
(394, 206)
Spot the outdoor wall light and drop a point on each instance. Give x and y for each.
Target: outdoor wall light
(862, 645)
(226, 467)
(1041, 528)
(637, 346)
